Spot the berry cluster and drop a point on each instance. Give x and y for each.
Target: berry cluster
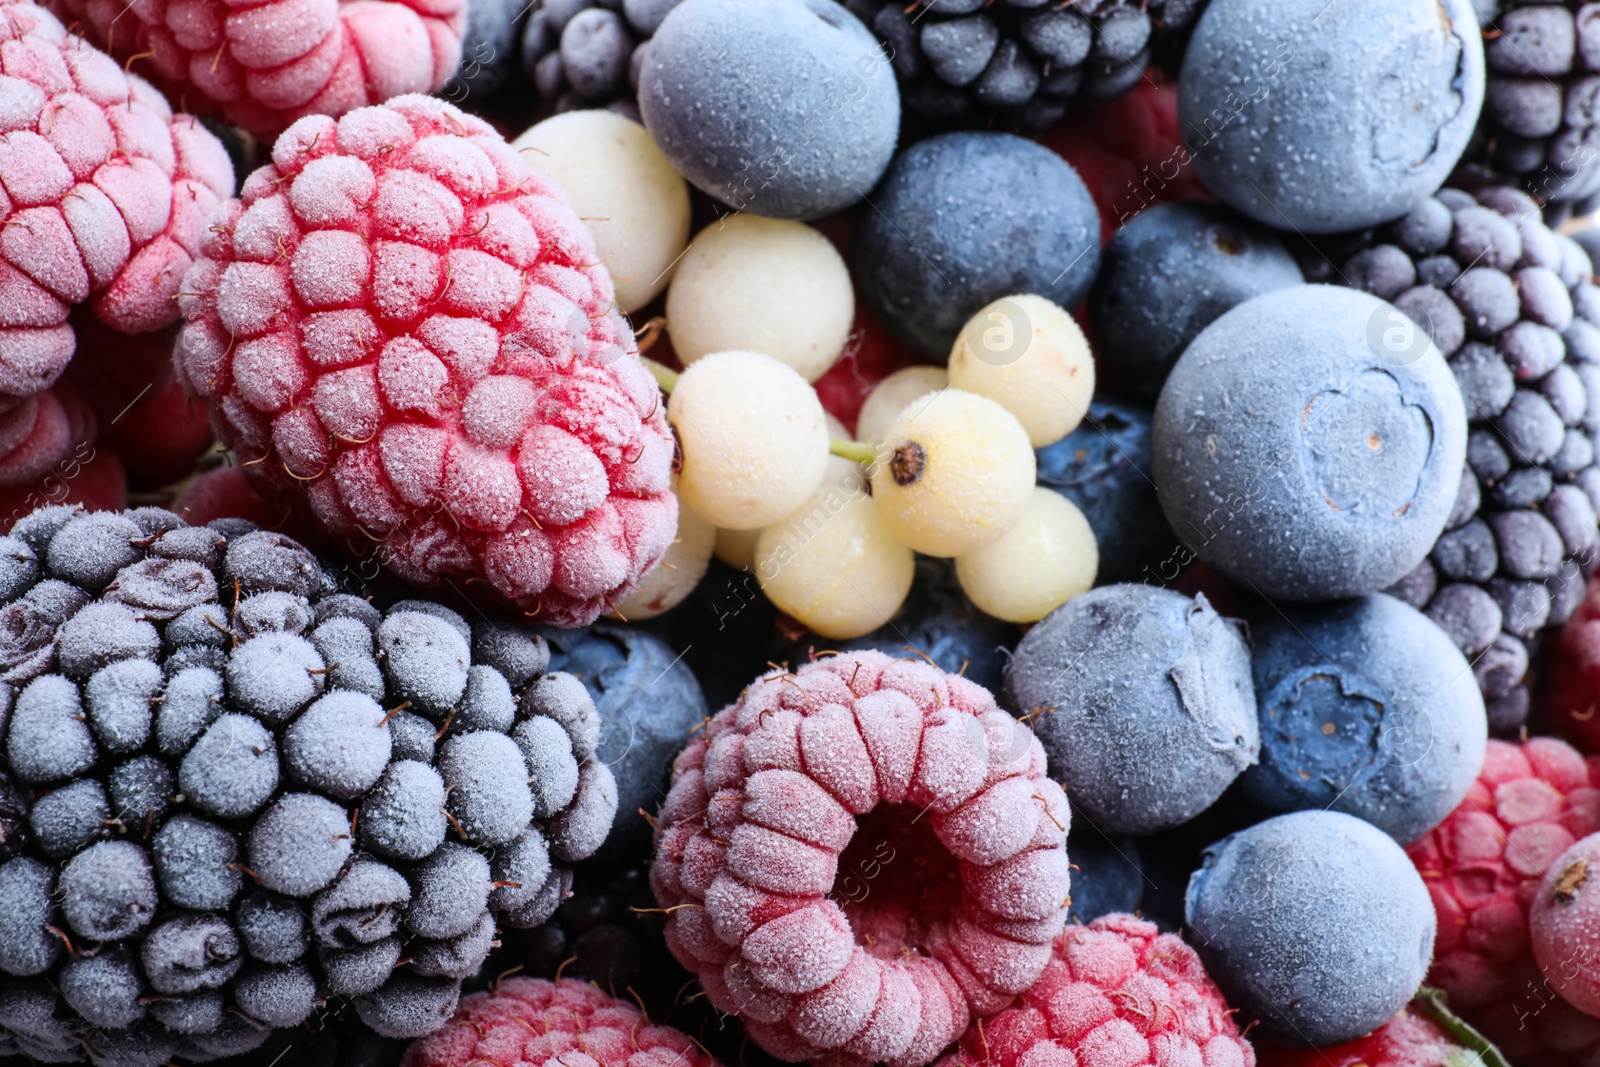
(232, 794)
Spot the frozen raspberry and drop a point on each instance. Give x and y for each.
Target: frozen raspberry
(264, 65)
(226, 493)
(1410, 1039)
(1483, 866)
(43, 430)
(530, 1020)
(90, 476)
(1130, 153)
(1574, 693)
(105, 195)
(859, 857)
(404, 328)
(1117, 991)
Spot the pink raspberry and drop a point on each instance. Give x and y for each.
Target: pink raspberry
(105, 194)
(403, 327)
(567, 1023)
(1482, 866)
(1410, 1039)
(92, 478)
(42, 430)
(265, 63)
(859, 857)
(1116, 992)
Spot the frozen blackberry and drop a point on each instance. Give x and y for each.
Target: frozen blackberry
(1541, 102)
(266, 800)
(1512, 306)
(1018, 63)
(586, 54)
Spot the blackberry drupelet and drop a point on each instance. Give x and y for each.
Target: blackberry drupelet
(1018, 64)
(232, 796)
(586, 54)
(1513, 308)
(1542, 102)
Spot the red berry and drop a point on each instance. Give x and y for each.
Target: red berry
(161, 437)
(1117, 991)
(106, 193)
(870, 355)
(42, 431)
(91, 477)
(1564, 925)
(1574, 692)
(226, 493)
(405, 329)
(1129, 152)
(859, 857)
(1482, 866)
(1408, 1040)
(264, 65)
(566, 1022)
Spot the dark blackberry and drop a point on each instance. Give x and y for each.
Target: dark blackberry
(1018, 64)
(587, 53)
(232, 801)
(1541, 103)
(1512, 306)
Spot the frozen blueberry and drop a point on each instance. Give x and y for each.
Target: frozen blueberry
(947, 234)
(648, 702)
(449, 890)
(27, 891)
(486, 783)
(1104, 468)
(108, 891)
(1169, 273)
(788, 109)
(67, 819)
(1295, 115)
(1367, 707)
(339, 745)
(1315, 923)
(104, 988)
(275, 675)
(1143, 701)
(272, 928)
(232, 769)
(425, 659)
(189, 952)
(1107, 875)
(403, 816)
(196, 863)
(299, 844)
(48, 739)
(1296, 452)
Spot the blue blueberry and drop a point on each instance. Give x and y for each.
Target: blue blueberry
(1167, 275)
(1143, 701)
(1324, 117)
(1302, 451)
(964, 219)
(1315, 923)
(787, 108)
(1104, 467)
(1369, 708)
(648, 701)
(1109, 875)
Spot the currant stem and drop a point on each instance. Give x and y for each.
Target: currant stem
(1432, 1002)
(857, 451)
(665, 376)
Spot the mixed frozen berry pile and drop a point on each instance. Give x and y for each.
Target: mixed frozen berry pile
(667, 533)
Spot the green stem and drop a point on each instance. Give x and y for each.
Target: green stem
(857, 451)
(1432, 1002)
(665, 376)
